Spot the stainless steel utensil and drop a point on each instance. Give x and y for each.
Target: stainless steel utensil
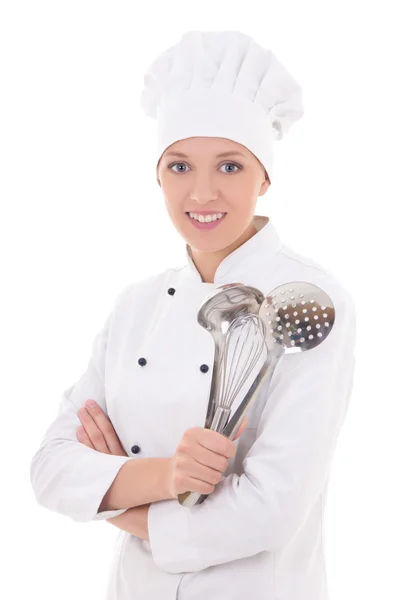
(218, 309)
(299, 316)
(243, 345)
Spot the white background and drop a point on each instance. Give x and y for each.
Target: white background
(82, 216)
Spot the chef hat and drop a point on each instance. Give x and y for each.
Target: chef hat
(221, 84)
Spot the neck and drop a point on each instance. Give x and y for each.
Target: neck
(207, 263)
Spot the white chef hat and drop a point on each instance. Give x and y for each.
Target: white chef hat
(221, 84)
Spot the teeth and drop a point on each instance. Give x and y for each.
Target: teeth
(206, 218)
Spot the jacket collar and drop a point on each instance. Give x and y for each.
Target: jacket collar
(245, 260)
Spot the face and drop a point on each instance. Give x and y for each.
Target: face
(195, 179)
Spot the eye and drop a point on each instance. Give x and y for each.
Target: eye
(174, 165)
(232, 165)
(183, 164)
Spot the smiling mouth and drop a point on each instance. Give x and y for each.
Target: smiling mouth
(218, 212)
(209, 224)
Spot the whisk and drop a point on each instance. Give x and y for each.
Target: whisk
(222, 306)
(242, 346)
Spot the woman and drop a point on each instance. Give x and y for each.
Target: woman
(220, 101)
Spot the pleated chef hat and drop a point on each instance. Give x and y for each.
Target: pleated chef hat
(221, 84)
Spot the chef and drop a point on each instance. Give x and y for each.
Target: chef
(220, 101)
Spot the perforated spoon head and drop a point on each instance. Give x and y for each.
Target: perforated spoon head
(298, 316)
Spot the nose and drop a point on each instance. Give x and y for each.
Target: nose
(203, 191)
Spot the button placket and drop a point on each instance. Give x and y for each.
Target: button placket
(142, 361)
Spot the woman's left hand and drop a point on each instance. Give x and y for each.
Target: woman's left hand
(97, 431)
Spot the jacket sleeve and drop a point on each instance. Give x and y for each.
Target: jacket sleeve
(284, 471)
(68, 477)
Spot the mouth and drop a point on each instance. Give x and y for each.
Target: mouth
(205, 225)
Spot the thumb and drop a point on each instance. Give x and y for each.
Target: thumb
(241, 428)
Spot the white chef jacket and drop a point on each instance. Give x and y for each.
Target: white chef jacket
(260, 533)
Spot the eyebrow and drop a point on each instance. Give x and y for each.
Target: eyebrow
(181, 155)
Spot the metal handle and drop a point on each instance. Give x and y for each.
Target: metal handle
(264, 376)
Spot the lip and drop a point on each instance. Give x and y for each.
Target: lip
(211, 225)
(206, 212)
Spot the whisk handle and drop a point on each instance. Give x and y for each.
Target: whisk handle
(220, 419)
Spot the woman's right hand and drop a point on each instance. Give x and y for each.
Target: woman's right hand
(200, 460)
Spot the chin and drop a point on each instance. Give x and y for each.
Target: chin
(208, 246)
(202, 241)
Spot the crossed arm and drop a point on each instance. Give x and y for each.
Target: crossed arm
(134, 521)
(97, 432)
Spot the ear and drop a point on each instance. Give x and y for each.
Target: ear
(264, 186)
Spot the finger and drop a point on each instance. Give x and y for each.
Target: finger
(94, 433)
(103, 422)
(83, 437)
(241, 428)
(208, 458)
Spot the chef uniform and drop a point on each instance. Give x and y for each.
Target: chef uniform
(260, 533)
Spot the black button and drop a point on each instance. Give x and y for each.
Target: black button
(171, 291)
(142, 362)
(135, 449)
(204, 368)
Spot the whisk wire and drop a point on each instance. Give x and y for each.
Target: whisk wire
(249, 326)
(240, 346)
